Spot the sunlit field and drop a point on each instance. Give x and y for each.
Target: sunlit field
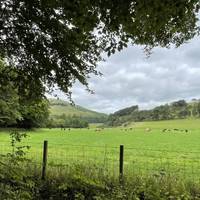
(149, 147)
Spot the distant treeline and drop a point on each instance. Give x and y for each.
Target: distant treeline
(66, 122)
(73, 121)
(175, 110)
(100, 119)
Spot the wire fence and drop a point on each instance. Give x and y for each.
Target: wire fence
(106, 160)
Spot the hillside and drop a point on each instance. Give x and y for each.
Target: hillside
(175, 110)
(60, 107)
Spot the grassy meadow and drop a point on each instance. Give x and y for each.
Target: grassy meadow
(152, 151)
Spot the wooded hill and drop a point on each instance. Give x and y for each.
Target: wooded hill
(62, 109)
(175, 110)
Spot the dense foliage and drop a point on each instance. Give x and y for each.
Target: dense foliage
(9, 100)
(20, 105)
(58, 42)
(176, 110)
(34, 113)
(77, 186)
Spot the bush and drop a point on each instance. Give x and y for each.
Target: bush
(14, 182)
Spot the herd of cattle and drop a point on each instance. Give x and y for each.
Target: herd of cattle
(166, 130)
(175, 130)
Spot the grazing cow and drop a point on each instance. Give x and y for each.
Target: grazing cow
(61, 127)
(147, 129)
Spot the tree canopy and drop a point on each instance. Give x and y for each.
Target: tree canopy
(56, 42)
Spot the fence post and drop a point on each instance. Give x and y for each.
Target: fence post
(44, 162)
(121, 162)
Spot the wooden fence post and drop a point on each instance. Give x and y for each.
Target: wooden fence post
(44, 162)
(121, 162)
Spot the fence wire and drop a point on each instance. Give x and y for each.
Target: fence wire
(105, 160)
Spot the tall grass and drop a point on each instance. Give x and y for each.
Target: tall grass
(81, 182)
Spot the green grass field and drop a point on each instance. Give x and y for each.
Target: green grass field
(154, 151)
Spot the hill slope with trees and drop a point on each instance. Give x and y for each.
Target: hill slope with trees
(175, 110)
(62, 113)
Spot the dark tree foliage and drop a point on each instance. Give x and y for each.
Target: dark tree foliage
(34, 113)
(20, 106)
(9, 99)
(180, 103)
(126, 111)
(57, 42)
(34, 107)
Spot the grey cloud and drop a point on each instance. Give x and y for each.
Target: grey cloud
(130, 78)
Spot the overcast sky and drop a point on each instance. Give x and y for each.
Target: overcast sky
(130, 78)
